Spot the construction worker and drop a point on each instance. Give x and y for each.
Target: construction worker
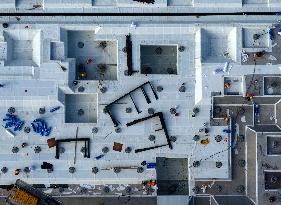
(17, 171)
(226, 120)
(227, 85)
(152, 183)
(89, 61)
(249, 96)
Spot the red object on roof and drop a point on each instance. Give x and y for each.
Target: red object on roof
(152, 183)
(89, 61)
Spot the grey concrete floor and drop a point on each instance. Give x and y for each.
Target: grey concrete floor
(238, 172)
(267, 108)
(234, 100)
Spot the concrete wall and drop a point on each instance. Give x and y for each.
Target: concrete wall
(204, 44)
(232, 44)
(278, 113)
(36, 45)
(251, 160)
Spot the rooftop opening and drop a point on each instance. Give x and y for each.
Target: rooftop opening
(80, 108)
(95, 60)
(158, 59)
(23, 47)
(233, 85)
(272, 180)
(272, 85)
(29, 4)
(274, 145)
(255, 38)
(218, 45)
(172, 176)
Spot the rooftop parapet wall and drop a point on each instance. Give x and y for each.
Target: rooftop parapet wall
(133, 6)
